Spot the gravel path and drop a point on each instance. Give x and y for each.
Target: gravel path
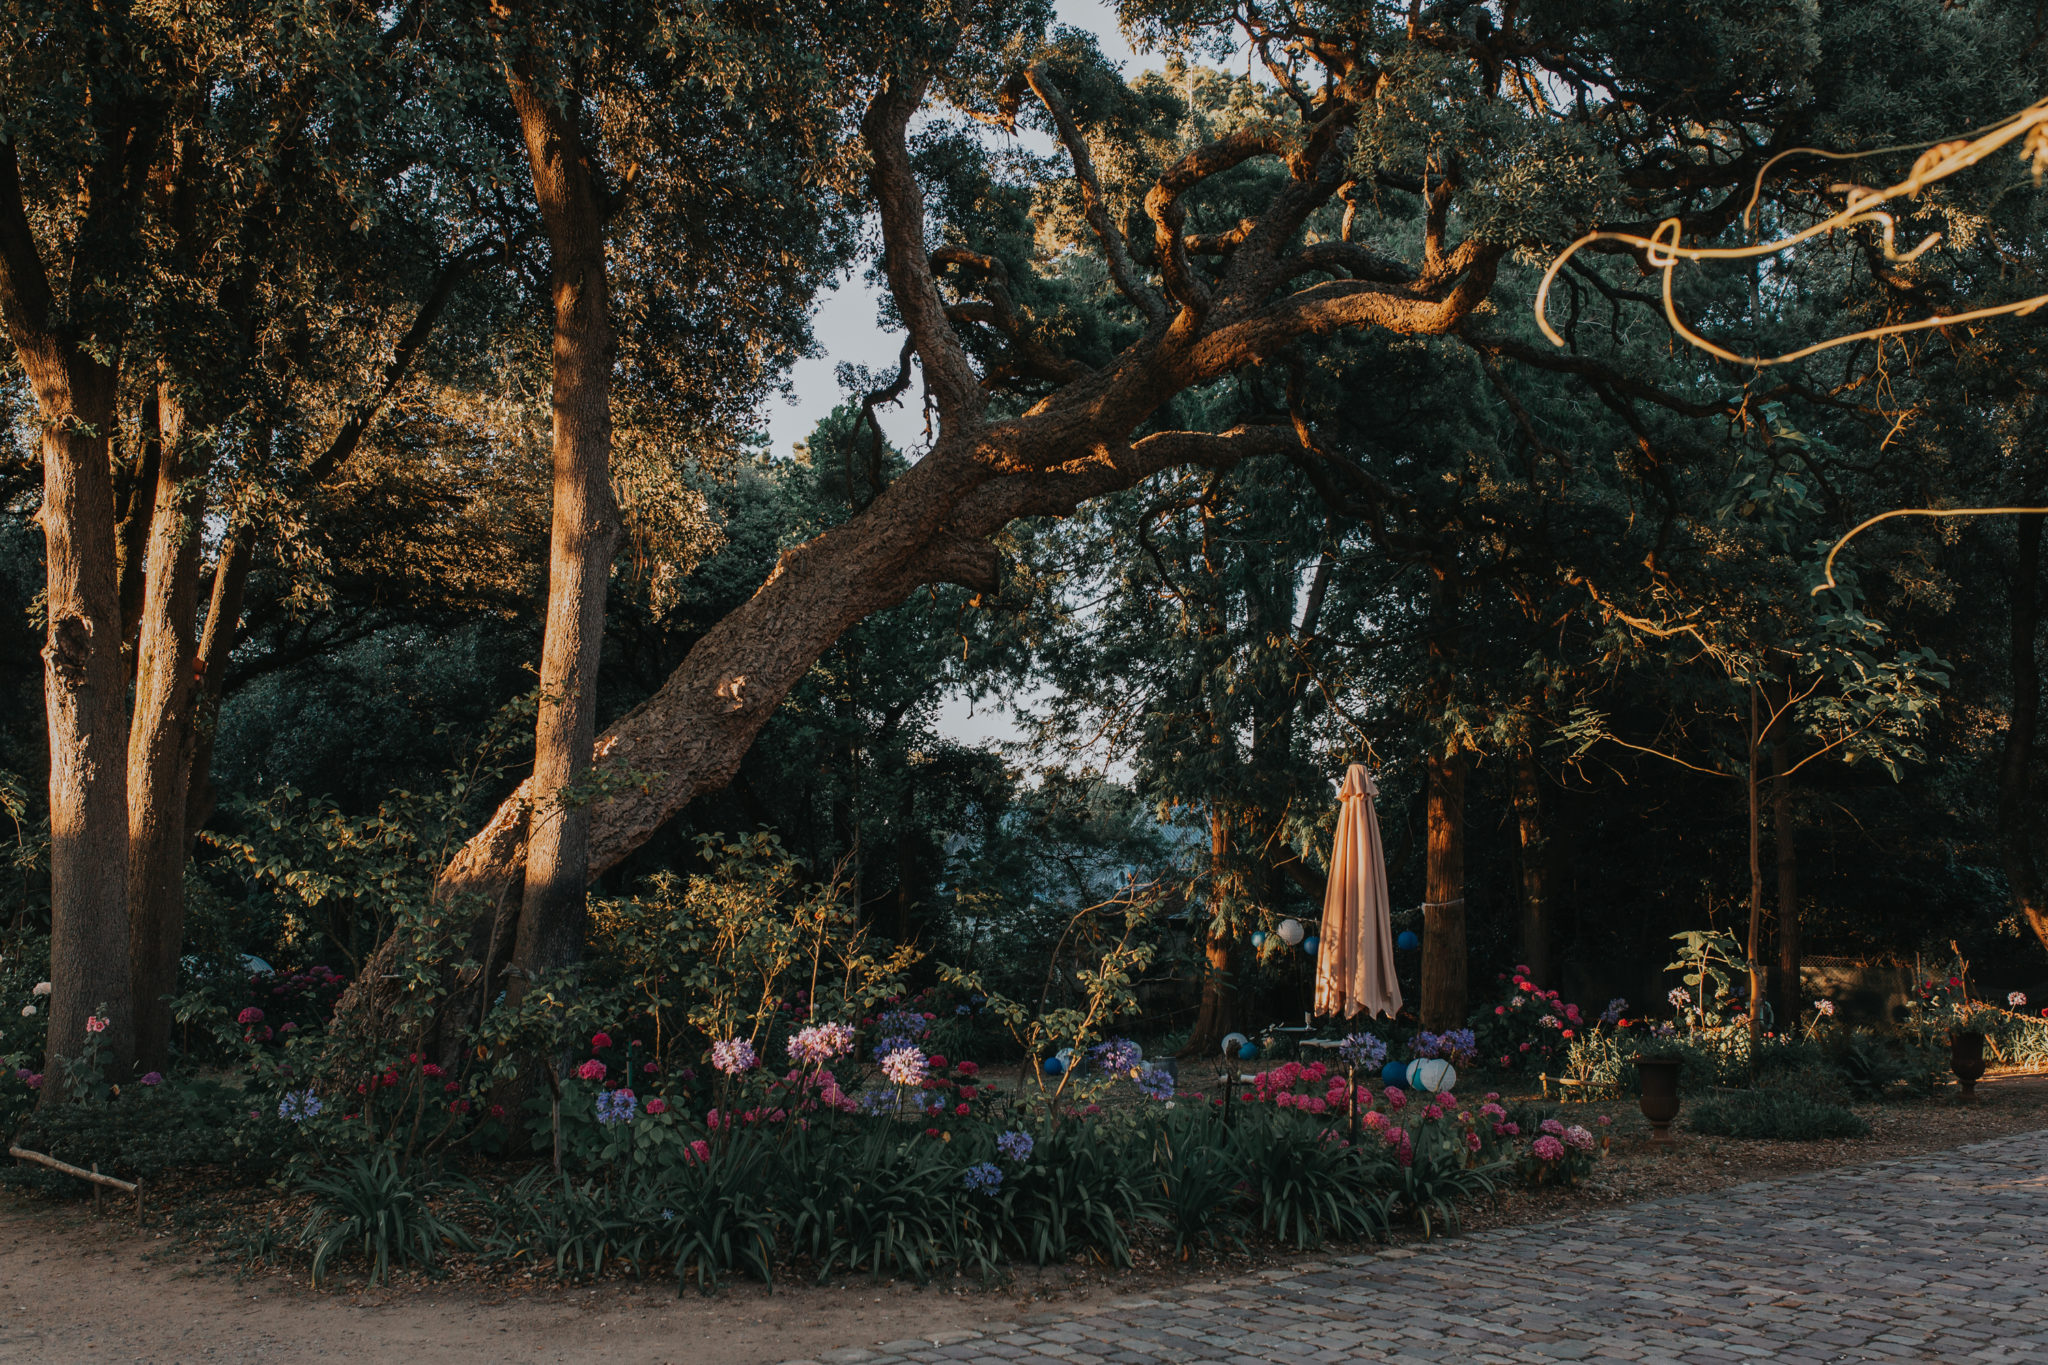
(1936, 1257)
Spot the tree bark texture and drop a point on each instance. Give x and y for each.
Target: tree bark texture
(584, 533)
(1756, 877)
(1217, 1014)
(1784, 836)
(1443, 911)
(2015, 767)
(1537, 929)
(161, 738)
(932, 524)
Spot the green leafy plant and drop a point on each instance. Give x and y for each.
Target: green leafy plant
(373, 1206)
(1785, 1115)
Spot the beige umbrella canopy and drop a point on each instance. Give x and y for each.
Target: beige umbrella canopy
(1355, 960)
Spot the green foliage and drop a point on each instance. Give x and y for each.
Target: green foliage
(1784, 1115)
(373, 1207)
(147, 1131)
(1873, 1066)
(1308, 1184)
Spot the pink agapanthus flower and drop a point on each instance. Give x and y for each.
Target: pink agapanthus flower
(904, 1066)
(733, 1055)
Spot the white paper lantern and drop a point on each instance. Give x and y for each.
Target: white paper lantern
(1290, 931)
(1433, 1074)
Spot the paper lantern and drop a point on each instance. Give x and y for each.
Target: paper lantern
(1054, 1066)
(1291, 932)
(1310, 944)
(1408, 941)
(1232, 1042)
(1394, 1073)
(1258, 939)
(1433, 1074)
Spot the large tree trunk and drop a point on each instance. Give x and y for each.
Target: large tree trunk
(1537, 930)
(86, 695)
(1217, 1015)
(584, 533)
(1785, 837)
(161, 740)
(2015, 767)
(1443, 913)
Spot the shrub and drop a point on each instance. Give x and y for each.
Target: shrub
(1198, 1198)
(373, 1206)
(885, 1205)
(1309, 1184)
(1078, 1192)
(1785, 1115)
(1872, 1066)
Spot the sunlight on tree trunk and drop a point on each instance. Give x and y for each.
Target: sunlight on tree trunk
(1443, 916)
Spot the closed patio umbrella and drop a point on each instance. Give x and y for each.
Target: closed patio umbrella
(1355, 961)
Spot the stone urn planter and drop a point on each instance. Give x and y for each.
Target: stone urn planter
(1966, 1059)
(1659, 1093)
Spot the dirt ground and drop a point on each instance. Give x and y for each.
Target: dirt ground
(75, 1287)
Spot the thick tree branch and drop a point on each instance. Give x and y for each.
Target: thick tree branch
(954, 385)
(1170, 216)
(1128, 282)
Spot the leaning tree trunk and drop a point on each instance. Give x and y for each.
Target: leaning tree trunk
(584, 533)
(160, 743)
(86, 695)
(2015, 767)
(1443, 911)
(1537, 929)
(1217, 1016)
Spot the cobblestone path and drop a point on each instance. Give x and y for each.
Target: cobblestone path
(1940, 1257)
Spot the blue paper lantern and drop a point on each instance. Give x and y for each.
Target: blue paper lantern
(1394, 1073)
(1409, 941)
(1054, 1066)
(1248, 1051)
(1258, 938)
(1309, 944)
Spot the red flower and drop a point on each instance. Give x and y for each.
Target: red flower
(1955, 982)
(651, 1068)
(451, 1088)
(936, 1062)
(432, 1072)
(657, 1105)
(497, 1111)
(598, 1040)
(931, 1132)
(968, 1069)
(963, 1111)
(966, 1092)
(251, 1015)
(459, 1107)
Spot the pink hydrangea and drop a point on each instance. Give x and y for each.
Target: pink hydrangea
(251, 1015)
(600, 1039)
(700, 1150)
(592, 1070)
(1548, 1148)
(1472, 1141)
(657, 1105)
(1578, 1137)
(1397, 1098)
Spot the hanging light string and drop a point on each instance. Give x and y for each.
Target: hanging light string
(1662, 250)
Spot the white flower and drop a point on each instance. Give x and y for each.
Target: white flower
(27, 1010)
(1517, 1002)
(904, 1066)
(1825, 1008)
(2018, 1000)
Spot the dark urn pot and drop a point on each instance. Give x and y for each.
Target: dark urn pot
(1966, 1059)
(1660, 1093)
